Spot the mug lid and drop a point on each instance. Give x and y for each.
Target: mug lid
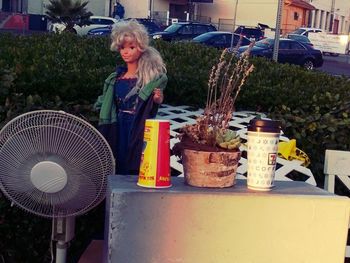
(264, 125)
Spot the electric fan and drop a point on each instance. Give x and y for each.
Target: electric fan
(55, 165)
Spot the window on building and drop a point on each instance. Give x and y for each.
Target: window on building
(296, 15)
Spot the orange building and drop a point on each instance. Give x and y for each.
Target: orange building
(296, 13)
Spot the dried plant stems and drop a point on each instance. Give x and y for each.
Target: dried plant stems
(225, 81)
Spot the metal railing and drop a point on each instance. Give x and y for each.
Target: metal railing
(225, 24)
(163, 18)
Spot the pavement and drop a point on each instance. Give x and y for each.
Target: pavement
(337, 66)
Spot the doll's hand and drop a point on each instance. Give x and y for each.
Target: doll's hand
(158, 96)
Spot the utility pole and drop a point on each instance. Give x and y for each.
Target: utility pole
(234, 24)
(278, 30)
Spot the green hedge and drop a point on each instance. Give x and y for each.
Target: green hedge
(67, 72)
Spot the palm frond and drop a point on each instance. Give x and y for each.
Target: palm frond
(67, 11)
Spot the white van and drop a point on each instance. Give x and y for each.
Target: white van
(306, 30)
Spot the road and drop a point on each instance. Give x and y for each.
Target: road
(336, 65)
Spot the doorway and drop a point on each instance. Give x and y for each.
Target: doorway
(178, 11)
(335, 26)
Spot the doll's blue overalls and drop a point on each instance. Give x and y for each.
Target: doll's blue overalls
(126, 114)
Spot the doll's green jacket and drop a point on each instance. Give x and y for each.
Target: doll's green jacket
(105, 102)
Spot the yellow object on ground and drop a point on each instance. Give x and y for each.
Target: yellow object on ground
(289, 151)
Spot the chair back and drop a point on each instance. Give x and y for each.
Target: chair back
(337, 163)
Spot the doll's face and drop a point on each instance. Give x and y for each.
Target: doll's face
(130, 51)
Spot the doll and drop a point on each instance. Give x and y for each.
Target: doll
(130, 95)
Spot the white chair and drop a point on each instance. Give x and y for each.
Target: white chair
(337, 163)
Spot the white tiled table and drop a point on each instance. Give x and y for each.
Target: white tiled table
(181, 115)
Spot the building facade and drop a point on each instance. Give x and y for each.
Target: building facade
(329, 15)
(295, 14)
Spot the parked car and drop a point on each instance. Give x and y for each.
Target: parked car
(300, 38)
(183, 30)
(92, 23)
(148, 23)
(101, 31)
(289, 51)
(304, 31)
(220, 39)
(252, 33)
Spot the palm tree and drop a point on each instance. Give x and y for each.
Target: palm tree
(68, 12)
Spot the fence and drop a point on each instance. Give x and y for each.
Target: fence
(160, 17)
(225, 24)
(163, 18)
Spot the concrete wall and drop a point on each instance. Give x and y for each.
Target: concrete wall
(36, 7)
(249, 13)
(135, 9)
(98, 8)
(160, 5)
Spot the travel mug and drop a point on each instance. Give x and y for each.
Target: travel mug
(263, 138)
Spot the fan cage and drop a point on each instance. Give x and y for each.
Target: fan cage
(66, 140)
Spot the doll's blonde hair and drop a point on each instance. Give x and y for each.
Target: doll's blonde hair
(150, 64)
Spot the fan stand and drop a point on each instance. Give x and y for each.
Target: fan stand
(50, 177)
(62, 233)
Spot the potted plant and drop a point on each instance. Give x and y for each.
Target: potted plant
(209, 149)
